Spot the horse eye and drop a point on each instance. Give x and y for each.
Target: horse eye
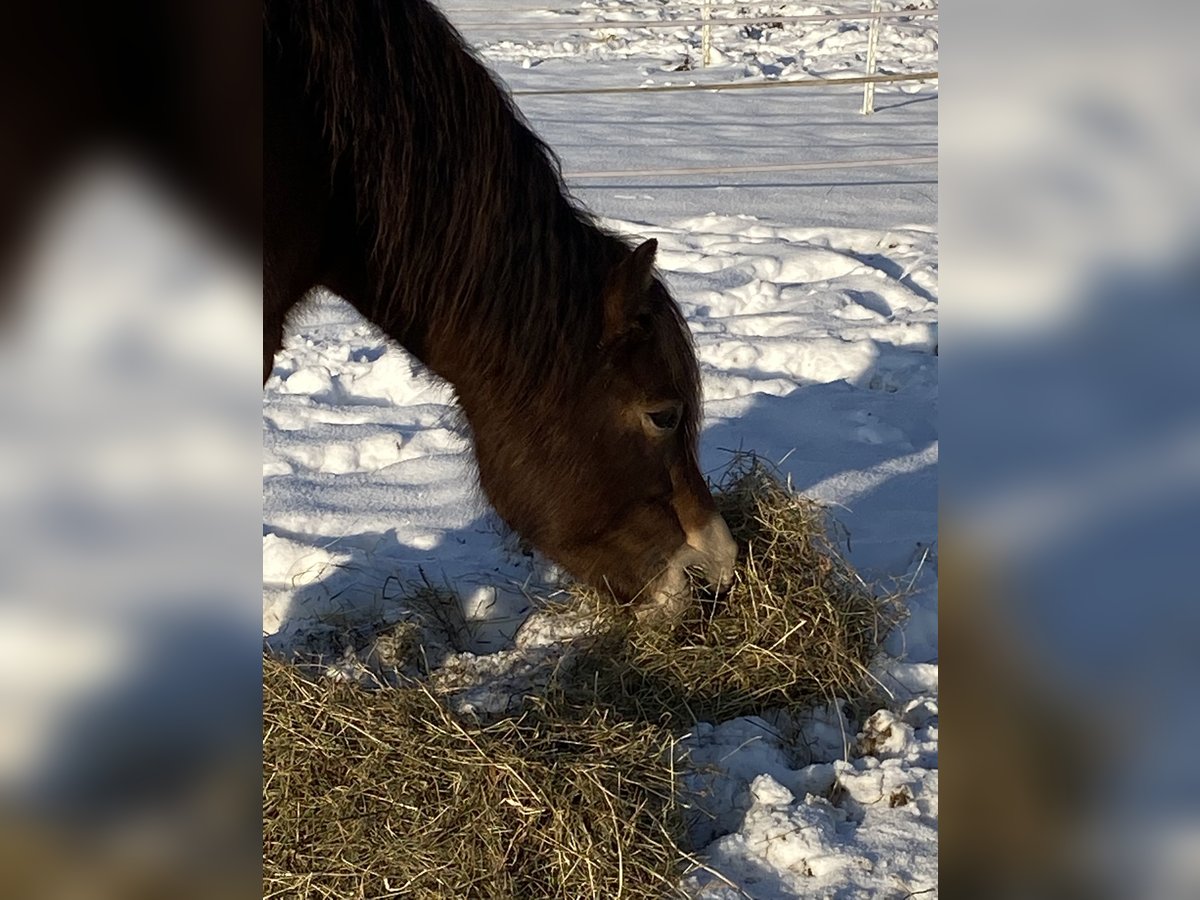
(665, 419)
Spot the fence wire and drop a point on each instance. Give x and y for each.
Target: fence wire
(813, 166)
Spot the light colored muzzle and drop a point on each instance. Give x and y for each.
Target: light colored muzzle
(710, 549)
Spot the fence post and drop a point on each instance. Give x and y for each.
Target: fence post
(868, 106)
(706, 33)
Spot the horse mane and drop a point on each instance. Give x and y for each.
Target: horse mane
(471, 231)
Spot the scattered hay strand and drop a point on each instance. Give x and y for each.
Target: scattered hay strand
(798, 627)
(387, 793)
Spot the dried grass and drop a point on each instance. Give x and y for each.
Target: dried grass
(798, 627)
(388, 793)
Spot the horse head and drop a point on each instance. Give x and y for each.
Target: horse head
(602, 475)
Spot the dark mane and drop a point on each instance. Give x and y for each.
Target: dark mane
(463, 206)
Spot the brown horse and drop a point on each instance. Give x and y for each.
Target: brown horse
(399, 175)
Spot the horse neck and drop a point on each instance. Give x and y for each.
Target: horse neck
(476, 260)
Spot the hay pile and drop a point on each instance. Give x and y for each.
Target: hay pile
(388, 794)
(799, 626)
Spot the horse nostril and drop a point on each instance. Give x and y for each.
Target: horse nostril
(714, 586)
(707, 557)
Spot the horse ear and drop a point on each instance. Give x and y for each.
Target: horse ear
(628, 284)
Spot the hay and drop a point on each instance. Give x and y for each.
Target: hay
(799, 627)
(387, 793)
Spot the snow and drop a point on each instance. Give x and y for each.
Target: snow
(813, 299)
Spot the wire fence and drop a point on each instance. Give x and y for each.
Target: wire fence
(731, 85)
(874, 15)
(769, 167)
(573, 24)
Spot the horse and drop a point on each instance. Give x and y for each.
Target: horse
(399, 175)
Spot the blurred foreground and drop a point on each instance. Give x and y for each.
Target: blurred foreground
(1070, 488)
(129, 451)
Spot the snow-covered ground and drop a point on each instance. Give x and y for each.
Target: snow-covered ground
(813, 298)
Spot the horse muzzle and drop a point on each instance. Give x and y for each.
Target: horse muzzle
(712, 551)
